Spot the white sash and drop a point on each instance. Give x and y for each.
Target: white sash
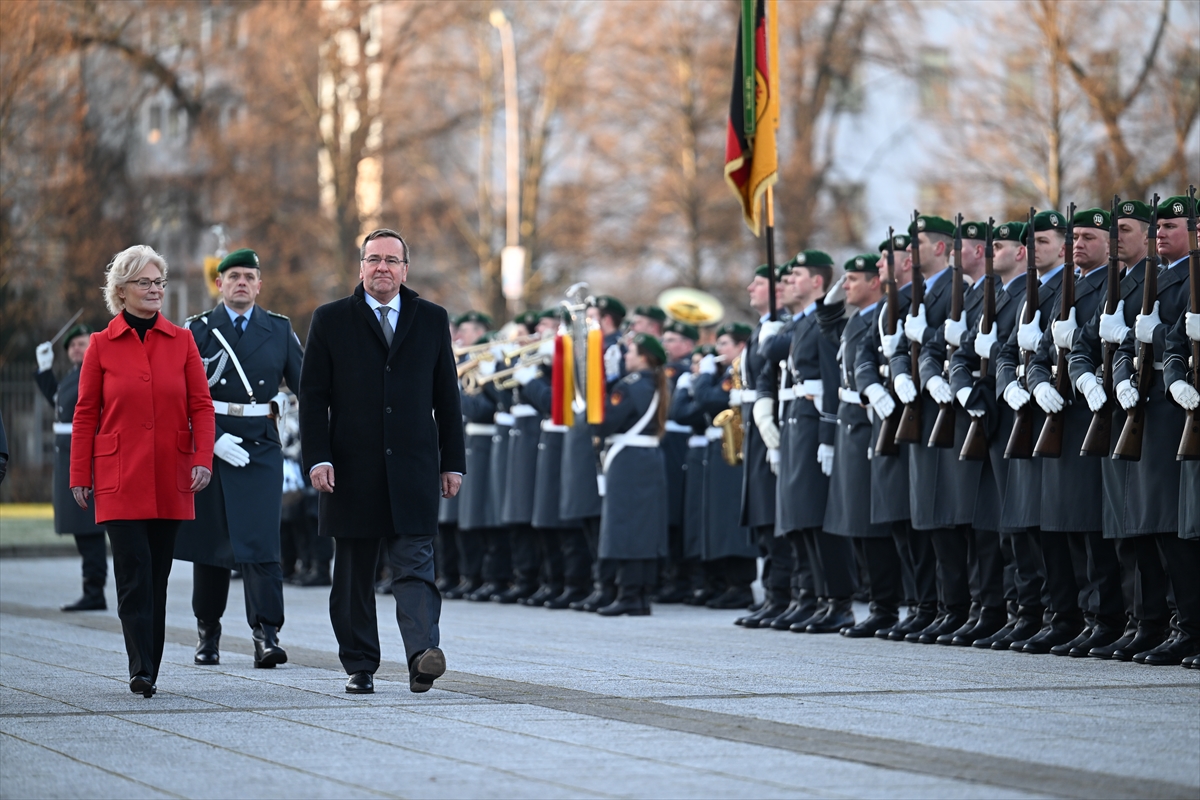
(236, 364)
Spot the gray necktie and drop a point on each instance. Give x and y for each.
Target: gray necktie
(386, 323)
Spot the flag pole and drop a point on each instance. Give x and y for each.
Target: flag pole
(770, 198)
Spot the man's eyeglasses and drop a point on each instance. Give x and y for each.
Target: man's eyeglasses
(375, 261)
(146, 283)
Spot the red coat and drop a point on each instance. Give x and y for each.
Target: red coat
(143, 420)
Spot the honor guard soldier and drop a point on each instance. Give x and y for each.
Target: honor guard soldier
(68, 516)
(679, 342)
(248, 352)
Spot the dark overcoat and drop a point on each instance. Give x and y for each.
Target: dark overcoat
(685, 412)
(522, 463)
(68, 516)
(580, 497)
(1179, 351)
(758, 482)
(475, 510)
(387, 418)
(675, 449)
(723, 533)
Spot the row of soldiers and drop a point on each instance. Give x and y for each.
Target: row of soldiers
(986, 543)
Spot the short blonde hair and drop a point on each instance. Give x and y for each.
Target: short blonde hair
(124, 267)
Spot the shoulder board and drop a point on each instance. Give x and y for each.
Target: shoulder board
(202, 315)
(278, 316)
(632, 378)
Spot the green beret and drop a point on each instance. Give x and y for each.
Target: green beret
(239, 258)
(867, 262)
(812, 258)
(683, 329)
(762, 271)
(1049, 221)
(554, 312)
(975, 230)
(707, 350)
(650, 346)
(1009, 232)
(785, 268)
(529, 319)
(738, 331)
(1133, 209)
(610, 305)
(474, 316)
(1174, 207)
(927, 223)
(653, 312)
(900, 241)
(78, 330)
(1092, 218)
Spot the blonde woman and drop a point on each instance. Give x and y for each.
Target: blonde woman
(141, 446)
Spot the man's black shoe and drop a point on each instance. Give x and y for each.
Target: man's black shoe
(485, 592)
(733, 597)
(267, 652)
(598, 599)
(838, 614)
(1146, 640)
(671, 594)
(1058, 632)
(1102, 635)
(800, 612)
(464, 588)
(143, 685)
(1024, 630)
(516, 593)
(360, 683)
(87, 603)
(871, 625)
(1171, 652)
(934, 627)
(989, 622)
(545, 593)
(913, 623)
(569, 595)
(426, 667)
(768, 612)
(208, 643)
(631, 604)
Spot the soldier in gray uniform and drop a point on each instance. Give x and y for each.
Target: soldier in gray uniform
(1069, 482)
(845, 514)
(678, 342)
(248, 352)
(633, 532)
(68, 516)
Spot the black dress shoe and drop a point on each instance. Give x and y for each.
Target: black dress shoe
(1102, 636)
(445, 584)
(631, 603)
(598, 599)
(267, 652)
(1191, 662)
(143, 685)
(1066, 648)
(756, 606)
(671, 594)
(1058, 632)
(800, 611)
(931, 631)
(544, 594)
(465, 587)
(839, 614)
(1172, 652)
(733, 597)
(871, 625)
(569, 596)
(208, 644)
(360, 683)
(426, 667)
(485, 592)
(914, 622)
(989, 622)
(700, 597)
(1145, 641)
(766, 614)
(986, 642)
(316, 577)
(87, 603)
(952, 624)
(1024, 630)
(516, 593)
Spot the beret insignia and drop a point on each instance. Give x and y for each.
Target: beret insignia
(1098, 219)
(1004, 230)
(1177, 208)
(1129, 208)
(972, 231)
(860, 262)
(920, 224)
(801, 258)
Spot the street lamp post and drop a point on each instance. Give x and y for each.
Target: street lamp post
(512, 257)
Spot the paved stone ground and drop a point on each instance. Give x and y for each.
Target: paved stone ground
(563, 704)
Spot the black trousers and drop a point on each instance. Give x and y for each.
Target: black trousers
(445, 552)
(1028, 576)
(1150, 581)
(950, 554)
(881, 561)
(986, 566)
(634, 573)
(94, 551)
(142, 553)
(735, 572)
(352, 598)
(1182, 559)
(470, 547)
(497, 556)
(779, 565)
(1107, 603)
(604, 570)
(1061, 587)
(917, 548)
(527, 555)
(825, 563)
(262, 585)
(576, 559)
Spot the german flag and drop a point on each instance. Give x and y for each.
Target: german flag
(751, 160)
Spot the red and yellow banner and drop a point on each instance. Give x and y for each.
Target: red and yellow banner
(751, 158)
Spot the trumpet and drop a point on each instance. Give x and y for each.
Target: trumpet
(472, 364)
(520, 352)
(502, 378)
(482, 346)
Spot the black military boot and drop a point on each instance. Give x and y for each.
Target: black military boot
(881, 617)
(1061, 630)
(92, 599)
(485, 592)
(916, 633)
(1028, 623)
(803, 610)
(952, 622)
(990, 621)
(1148, 637)
(267, 652)
(918, 621)
(544, 594)
(465, 587)
(1171, 652)
(732, 597)
(569, 596)
(1102, 635)
(838, 614)
(602, 595)
(630, 601)
(517, 593)
(208, 650)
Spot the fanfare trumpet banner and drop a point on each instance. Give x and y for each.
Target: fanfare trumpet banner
(562, 390)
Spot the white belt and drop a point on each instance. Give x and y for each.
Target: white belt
(523, 410)
(714, 434)
(696, 442)
(738, 397)
(634, 440)
(240, 410)
(847, 396)
(675, 427)
(62, 428)
(504, 418)
(476, 429)
(549, 427)
(787, 394)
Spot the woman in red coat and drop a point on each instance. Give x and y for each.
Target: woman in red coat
(141, 447)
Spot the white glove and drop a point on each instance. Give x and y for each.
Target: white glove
(228, 451)
(1064, 331)
(939, 390)
(546, 348)
(525, 375)
(984, 342)
(45, 356)
(836, 294)
(1015, 396)
(1029, 334)
(773, 460)
(954, 330)
(1143, 329)
(769, 329)
(684, 384)
(1127, 396)
(1185, 394)
(814, 389)
(1092, 389)
(612, 363)
(881, 400)
(914, 327)
(487, 367)
(1192, 326)
(1112, 326)
(1048, 398)
(708, 365)
(825, 456)
(764, 420)
(963, 396)
(892, 343)
(906, 390)
(282, 404)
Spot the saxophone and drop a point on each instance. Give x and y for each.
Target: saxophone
(730, 421)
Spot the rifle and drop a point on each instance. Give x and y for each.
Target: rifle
(909, 430)
(1189, 444)
(1050, 440)
(1020, 442)
(1098, 440)
(942, 434)
(975, 446)
(1129, 443)
(886, 444)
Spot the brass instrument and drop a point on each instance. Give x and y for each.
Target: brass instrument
(519, 353)
(691, 306)
(730, 421)
(478, 348)
(502, 378)
(472, 364)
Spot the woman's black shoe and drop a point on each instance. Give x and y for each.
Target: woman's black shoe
(141, 684)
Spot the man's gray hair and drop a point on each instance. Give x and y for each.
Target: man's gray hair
(126, 266)
(381, 233)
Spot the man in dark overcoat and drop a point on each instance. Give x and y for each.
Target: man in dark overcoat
(381, 431)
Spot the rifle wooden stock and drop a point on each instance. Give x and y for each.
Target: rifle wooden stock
(1050, 440)
(1129, 443)
(1098, 439)
(1189, 443)
(1020, 441)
